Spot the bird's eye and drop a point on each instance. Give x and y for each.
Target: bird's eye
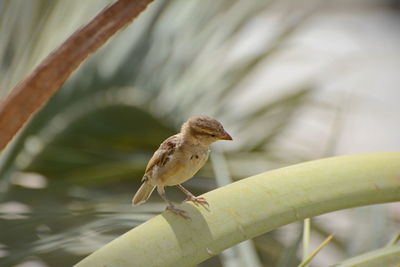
(213, 135)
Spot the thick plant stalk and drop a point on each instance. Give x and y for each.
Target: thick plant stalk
(36, 89)
(244, 253)
(253, 206)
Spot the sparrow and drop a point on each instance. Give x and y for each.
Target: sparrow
(178, 159)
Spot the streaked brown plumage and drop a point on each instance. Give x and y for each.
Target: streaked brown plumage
(179, 158)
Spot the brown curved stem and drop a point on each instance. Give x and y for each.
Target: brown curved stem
(35, 90)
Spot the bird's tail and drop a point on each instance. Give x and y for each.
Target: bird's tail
(143, 193)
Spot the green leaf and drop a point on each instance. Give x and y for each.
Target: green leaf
(387, 256)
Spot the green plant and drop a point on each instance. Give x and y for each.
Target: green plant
(255, 205)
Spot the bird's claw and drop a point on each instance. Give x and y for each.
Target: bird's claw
(178, 212)
(198, 200)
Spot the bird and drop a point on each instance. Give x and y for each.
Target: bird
(178, 159)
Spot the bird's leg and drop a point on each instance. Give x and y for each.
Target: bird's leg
(190, 197)
(171, 207)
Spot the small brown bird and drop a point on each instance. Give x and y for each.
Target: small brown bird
(179, 158)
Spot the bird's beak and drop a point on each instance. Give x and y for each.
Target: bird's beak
(226, 136)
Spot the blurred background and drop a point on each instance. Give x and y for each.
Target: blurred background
(290, 80)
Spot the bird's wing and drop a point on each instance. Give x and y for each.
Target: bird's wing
(160, 157)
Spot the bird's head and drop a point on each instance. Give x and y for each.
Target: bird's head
(205, 129)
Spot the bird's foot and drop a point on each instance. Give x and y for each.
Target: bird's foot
(178, 212)
(198, 200)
